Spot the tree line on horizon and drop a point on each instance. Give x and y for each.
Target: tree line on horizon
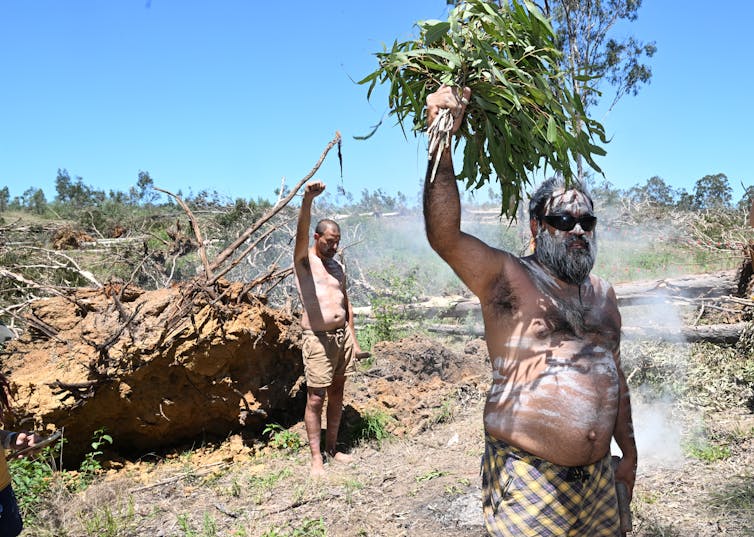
(712, 191)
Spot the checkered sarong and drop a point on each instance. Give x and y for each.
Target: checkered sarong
(524, 495)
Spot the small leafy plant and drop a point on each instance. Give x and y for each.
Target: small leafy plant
(107, 521)
(373, 425)
(282, 438)
(708, 452)
(432, 474)
(309, 528)
(91, 466)
(259, 487)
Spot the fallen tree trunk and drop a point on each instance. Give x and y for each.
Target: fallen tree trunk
(693, 287)
(721, 334)
(668, 290)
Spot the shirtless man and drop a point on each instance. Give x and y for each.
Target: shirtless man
(558, 395)
(330, 348)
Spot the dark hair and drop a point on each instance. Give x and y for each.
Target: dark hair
(325, 224)
(545, 191)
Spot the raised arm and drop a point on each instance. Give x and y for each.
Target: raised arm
(301, 250)
(469, 257)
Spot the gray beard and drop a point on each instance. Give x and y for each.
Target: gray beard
(572, 266)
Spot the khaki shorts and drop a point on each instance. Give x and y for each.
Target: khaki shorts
(327, 355)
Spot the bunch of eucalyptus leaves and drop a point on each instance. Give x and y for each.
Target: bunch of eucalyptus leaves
(520, 118)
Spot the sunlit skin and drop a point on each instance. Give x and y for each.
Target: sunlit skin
(558, 391)
(321, 282)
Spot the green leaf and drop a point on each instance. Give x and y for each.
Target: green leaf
(435, 31)
(552, 130)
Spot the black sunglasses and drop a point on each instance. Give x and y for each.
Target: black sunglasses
(566, 222)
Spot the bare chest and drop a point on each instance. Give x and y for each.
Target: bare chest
(544, 314)
(326, 272)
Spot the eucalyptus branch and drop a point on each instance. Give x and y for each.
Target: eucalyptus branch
(520, 118)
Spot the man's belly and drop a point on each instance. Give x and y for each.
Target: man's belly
(562, 410)
(326, 319)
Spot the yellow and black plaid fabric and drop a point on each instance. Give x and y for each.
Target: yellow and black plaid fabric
(525, 496)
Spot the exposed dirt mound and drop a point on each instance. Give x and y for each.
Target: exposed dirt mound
(166, 367)
(413, 379)
(155, 368)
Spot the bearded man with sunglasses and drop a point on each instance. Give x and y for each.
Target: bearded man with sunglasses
(558, 395)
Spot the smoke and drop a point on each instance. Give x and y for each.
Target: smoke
(397, 245)
(658, 433)
(656, 369)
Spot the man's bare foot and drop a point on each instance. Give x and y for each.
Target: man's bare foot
(317, 469)
(340, 457)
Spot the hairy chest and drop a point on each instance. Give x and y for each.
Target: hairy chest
(545, 311)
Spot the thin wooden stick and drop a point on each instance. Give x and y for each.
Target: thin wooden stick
(197, 231)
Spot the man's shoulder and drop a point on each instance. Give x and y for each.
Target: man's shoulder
(600, 282)
(603, 288)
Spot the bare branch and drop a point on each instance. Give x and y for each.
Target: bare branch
(225, 254)
(246, 251)
(197, 231)
(76, 268)
(33, 285)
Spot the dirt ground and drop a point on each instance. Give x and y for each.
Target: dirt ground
(423, 481)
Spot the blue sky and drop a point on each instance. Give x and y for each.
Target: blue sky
(235, 95)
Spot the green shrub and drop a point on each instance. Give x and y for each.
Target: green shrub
(372, 425)
(31, 478)
(281, 438)
(394, 293)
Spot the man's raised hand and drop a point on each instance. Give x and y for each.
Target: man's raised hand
(314, 189)
(452, 98)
